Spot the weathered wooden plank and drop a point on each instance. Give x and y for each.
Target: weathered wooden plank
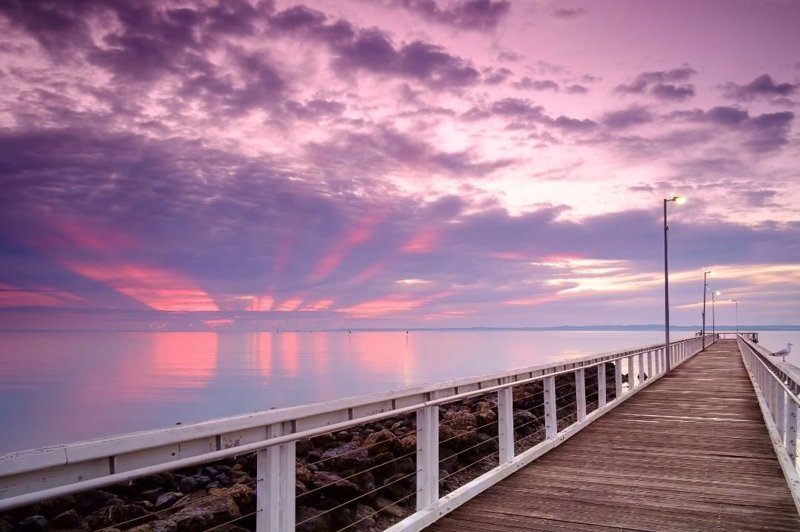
(691, 452)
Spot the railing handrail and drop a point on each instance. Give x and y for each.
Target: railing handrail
(779, 406)
(138, 440)
(29, 476)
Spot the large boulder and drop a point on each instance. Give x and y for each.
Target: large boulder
(117, 513)
(379, 442)
(335, 487)
(216, 509)
(346, 456)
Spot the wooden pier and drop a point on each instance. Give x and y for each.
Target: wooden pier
(690, 452)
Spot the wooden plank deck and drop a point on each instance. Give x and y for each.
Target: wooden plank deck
(690, 452)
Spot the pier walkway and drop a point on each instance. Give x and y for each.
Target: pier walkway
(689, 452)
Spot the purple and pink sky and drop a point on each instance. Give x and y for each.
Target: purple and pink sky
(242, 164)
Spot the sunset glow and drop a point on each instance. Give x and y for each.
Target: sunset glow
(311, 164)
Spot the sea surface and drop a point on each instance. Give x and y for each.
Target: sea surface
(62, 387)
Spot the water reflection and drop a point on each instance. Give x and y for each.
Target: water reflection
(61, 387)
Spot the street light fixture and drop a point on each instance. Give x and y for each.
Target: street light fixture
(705, 289)
(737, 315)
(713, 318)
(678, 201)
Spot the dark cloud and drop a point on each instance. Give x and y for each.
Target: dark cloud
(632, 116)
(495, 76)
(569, 13)
(384, 150)
(537, 85)
(315, 109)
(576, 89)
(463, 14)
(668, 85)
(573, 124)
(57, 26)
(762, 86)
(761, 133)
(373, 50)
(726, 115)
(768, 132)
(759, 198)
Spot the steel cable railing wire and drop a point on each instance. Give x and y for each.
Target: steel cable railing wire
(476, 429)
(358, 473)
(376, 512)
(473, 464)
(199, 501)
(475, 446)
(232, 521)
(394, 438)
(351, 501)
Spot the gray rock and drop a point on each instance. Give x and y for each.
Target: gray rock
(166, 500)
(34, 523)
(151, 495)
(68, 519)
(346, 456)
(387, 507)
(335, 487)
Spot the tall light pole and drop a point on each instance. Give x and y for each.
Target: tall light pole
(678, 200)
(713, 318)
(705, 289)
(737, 315)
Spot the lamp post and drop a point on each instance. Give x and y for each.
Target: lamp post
(705, 289)
(737, 315)
(713, 318)
(678, 200)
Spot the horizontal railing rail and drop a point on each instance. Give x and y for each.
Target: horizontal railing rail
(777, 390)
(30, 476)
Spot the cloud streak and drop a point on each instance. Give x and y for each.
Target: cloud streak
(254, 165)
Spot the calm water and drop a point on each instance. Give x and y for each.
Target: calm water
(65, 387)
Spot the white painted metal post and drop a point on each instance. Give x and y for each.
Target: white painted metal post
(791, 428)
(651, 366)
(631, 374)
(427, 456)
(780, 415)
(659, 363)
(641, 368)
(275, 495)
(505, 424)
(618, 377)
(601, 385)
(550, 420)
(580, 393)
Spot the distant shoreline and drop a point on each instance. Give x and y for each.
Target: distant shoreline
(558, 328)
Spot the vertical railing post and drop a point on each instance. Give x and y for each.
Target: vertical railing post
(275, 491)
(791, 428)
(651, 371)
(601, 385)
(659, 363)
(631, 374)
(505, 424)
(550, 420)
(641, 369)
(780, 413)
(580, 393)
(618, 377)
(427, 456)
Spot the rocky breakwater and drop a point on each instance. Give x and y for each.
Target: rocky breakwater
(363, 478)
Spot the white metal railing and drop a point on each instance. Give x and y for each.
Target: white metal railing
(777, 388)
(31, 476)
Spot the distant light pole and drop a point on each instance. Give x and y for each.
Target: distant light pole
(713, 318)
(705, 289)
(678, 200)
(737, 315)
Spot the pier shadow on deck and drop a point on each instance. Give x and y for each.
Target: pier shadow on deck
(690, 452)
